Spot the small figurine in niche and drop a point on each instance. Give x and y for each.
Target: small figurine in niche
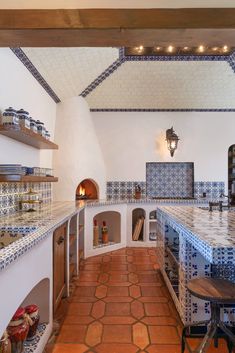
(137, 191)
(105, 235)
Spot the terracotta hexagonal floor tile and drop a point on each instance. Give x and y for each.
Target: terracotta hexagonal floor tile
(117, 278)
(114, 348)
(117, 292)
(98, 309)
(151, 291)
(140, 335)
(79, 309)
(69, 348)
(113, 309)
(157, 309)
(117, 299)
(134, 291)
(168, 348)
(94, 334)
(72, 334)
(137, 309)
(164, 334)
(86, 276)
(106, 259)
(103, 278)
(101, 291)
(130, 258)
(159, 320)
(133, 278)
(84, 291)
(117, 334)
(118, 320)
(76, 320)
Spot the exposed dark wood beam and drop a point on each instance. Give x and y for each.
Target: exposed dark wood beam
(117, 27)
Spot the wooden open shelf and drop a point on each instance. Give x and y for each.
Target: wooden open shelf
(27, 179)
(27, 136)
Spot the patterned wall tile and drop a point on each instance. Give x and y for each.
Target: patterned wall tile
(11, 193)
(121, 190)
(169, 179)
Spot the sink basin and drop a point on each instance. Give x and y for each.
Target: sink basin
(9, 235)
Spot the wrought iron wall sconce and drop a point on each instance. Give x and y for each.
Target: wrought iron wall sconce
(172, 140)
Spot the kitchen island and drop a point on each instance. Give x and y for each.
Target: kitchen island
(193, 242)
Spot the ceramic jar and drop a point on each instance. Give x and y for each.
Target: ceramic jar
(47, 135)
(5, 344)
(18, 329)
(32, 311)
(41, 128)
(10, 117)
(33, 125)
(24, 119)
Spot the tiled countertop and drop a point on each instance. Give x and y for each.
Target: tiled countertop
(211, 233)
(38, 225)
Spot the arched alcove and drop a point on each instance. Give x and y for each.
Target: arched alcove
(87, 190)
(138, 217)
(113, 223)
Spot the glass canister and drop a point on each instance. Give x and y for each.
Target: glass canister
(5, 344)
(33, 125)
(47, 135)
(41, 128)
(30, 201)
(32, 311)
(10, 117)
(18, 329)
(24, 119)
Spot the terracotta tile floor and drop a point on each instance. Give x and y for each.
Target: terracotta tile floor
(121, 305)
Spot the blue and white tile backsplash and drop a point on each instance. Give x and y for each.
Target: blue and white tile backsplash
(122, 190)
(171, 179)
(10, 195)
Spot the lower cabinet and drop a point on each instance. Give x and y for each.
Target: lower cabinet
(59, 264)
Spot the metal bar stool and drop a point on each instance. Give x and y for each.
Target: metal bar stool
(218, 292)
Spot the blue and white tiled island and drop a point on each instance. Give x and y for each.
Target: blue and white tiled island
(193, 242)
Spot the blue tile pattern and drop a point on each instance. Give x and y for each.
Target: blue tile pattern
(213, 189)
(36, 74)
(35, 227)
(206, 248)
(11, 193)
(124, 190)
(171, 179)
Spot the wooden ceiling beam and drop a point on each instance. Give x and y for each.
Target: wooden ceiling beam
(117, 27)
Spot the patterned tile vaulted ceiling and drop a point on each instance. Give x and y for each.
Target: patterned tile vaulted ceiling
(110, 81)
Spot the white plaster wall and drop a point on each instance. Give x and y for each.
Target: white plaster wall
(79, 155)
(19, 89)
(129, 140)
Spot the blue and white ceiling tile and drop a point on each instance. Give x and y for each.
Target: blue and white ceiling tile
(70, 70)
(109, 81)
(166, 85)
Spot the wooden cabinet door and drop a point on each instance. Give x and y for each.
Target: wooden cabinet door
(59, 259)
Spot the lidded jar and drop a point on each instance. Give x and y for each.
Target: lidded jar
(18, 329)
(33, 125)
(41, 128)
(5, 344)
(47, 135)
(32, 311)
(10, 117)
(24, 119)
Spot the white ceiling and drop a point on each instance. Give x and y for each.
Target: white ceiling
(136, 84)
(66, 4)
(68, 71)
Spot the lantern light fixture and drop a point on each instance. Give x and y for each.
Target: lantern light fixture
(172, 140)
